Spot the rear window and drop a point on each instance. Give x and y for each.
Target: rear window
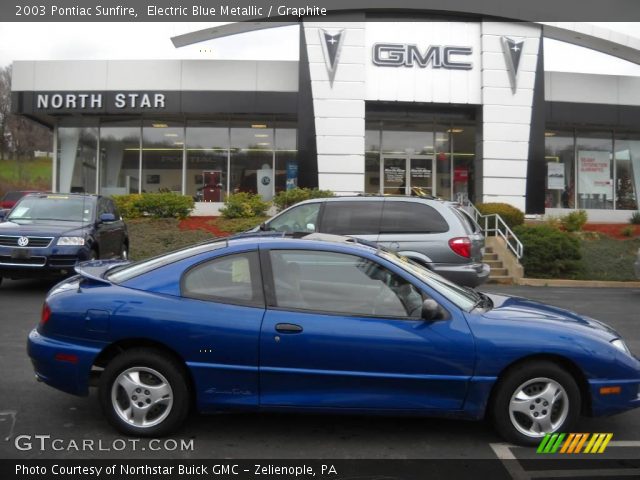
(411, 217)
(131, 270)
(466, 220)
(352, 218)
(13, 196)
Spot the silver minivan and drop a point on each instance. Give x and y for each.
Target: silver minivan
(439, 235)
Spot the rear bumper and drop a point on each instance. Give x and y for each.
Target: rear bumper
(610, 404)
(71, 372)
(471, 275)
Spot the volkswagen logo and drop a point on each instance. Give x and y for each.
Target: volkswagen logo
(23, 241)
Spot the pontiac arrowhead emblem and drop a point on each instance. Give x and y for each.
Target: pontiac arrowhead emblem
(512, 50)
(331, 45)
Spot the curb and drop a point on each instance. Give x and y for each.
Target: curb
(552, 282)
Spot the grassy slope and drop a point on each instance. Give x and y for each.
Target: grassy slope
(608, 259)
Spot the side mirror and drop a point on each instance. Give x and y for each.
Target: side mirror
(3, 213)
(431, 311)
(107, 217)
(263, 227)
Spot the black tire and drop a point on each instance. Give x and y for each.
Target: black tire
(176, 377)
(524, 375)
(93, 254)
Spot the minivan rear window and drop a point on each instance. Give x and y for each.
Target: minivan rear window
(411, 217)
(352, 218)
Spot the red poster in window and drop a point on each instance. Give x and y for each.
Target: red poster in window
(461, 175)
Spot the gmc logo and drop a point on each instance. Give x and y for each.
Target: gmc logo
(408, 55)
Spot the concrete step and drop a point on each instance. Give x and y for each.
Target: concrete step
(490, 256)
(493, 263)
(501, 280)
(498, 272)
(488, 249)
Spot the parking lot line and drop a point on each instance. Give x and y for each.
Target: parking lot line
(504, 452)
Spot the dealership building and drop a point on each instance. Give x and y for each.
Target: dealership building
(453, 107)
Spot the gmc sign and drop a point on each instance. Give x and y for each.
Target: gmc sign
(409, 55)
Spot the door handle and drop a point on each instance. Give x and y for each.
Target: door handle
(288, 328)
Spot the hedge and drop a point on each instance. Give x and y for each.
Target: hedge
(244, 205)
(510, 214)
(549, 252)
(286, 198)
(156, 205)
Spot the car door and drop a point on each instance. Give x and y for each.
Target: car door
(106, 232)
(119, 228)
(344, 331)
(223, 305)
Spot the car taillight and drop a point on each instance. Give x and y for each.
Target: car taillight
(46, 314)
(461, 246)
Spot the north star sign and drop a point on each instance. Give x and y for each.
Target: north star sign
(409, 55)
(89, 101)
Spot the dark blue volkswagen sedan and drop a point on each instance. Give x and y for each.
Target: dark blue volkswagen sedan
(321, 324)
(47, 234)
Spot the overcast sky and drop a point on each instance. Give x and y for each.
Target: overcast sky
(83, 41)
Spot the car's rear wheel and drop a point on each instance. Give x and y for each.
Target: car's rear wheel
(534, 399)
(144, 393)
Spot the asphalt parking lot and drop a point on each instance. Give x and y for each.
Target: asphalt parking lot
(30, 408)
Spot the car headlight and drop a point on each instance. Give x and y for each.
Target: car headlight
(620, 345)
(77, 241)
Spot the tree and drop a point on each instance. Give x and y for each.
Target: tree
(5, 108)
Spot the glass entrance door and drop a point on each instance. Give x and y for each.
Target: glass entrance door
(402, 173)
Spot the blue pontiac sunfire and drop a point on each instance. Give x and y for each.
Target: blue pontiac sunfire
(320, 324)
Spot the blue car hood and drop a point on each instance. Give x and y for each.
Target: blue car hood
(518, 308)
(43, 228)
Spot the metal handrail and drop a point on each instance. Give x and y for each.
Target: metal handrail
(499, 228)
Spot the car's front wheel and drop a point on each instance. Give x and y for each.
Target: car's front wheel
(534, 399)
(144, 393)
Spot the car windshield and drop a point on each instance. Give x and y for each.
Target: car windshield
(463, 297)
(63, 208)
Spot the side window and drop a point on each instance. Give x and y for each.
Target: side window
(339, 283)
(230, 279)
(303, 218)
(111, 208)
(467, 221)
(101, 208)
(352, 218)
(411, 217)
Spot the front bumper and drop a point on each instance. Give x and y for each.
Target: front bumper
(54, 365)
(603, 404)
(470, 275)
(41, 262)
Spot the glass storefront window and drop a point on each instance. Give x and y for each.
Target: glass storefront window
(286, 174)
(77, 152)
(252, 158)
(463, 139)
(162, 153)
(559, 158)
(595, 170)
(442, 142)
(627, 171)
(119, 158)
(372, 159)
(207, 161)
(408, 138)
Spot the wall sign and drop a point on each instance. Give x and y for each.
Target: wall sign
(434, 56)
(96, 101)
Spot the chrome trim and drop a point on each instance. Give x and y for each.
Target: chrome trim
(16, 237)
(2, 264)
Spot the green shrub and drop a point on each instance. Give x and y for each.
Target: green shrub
(286, 198)
(156, 205)
(510, 214)
(244, 205)
(627, 231)
(574, 221)
(548, 252)
(635, 218)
